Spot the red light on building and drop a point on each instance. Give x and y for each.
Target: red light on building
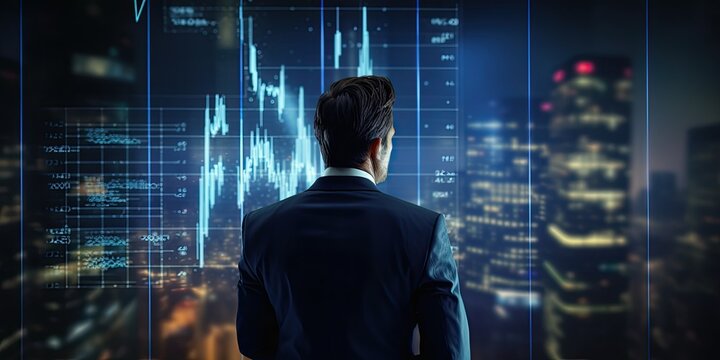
(584, 67)
(628, 72)
(546, 106)
(558, 76)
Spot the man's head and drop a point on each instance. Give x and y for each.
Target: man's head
(354, 124)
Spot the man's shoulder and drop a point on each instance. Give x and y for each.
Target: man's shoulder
(270, 209)
(405, 207)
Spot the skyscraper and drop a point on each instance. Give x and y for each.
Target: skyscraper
(586, 301)
(496, 205)
(499, 267)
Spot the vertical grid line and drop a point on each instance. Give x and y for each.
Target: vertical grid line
(647, 178)
(77, 199)
(240, 185)
(162, 196)
(457, 114)
(322, 46)
(417, 90)
(127, 196)
(22, 200)
(67, 244)
(102, 176)
(529, 190)
(149, 170)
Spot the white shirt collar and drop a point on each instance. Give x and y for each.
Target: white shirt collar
(347, 171)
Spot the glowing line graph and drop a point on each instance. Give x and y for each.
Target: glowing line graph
(261, 164)
(138, 11)
(337, 39)
(364, 60)
(261, 158)
(365, 63)
(212, 176)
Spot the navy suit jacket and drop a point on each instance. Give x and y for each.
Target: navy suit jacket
(344, 271)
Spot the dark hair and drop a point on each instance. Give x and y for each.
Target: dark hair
(352, 113)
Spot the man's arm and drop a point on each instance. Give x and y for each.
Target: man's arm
(256, 325)
(441, 314)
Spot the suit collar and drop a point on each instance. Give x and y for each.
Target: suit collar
(335, 183)
(347, 171)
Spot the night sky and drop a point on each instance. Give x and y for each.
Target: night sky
(683, 71)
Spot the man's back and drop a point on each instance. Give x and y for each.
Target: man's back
(344, 271)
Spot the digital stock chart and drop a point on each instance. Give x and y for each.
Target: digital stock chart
(147, 194)
(161, 188)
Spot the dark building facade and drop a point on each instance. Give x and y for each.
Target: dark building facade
(703, 170)
(10, 206)
(664, 196)
(685, 313)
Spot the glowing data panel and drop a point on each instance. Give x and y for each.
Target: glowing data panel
(156, 196)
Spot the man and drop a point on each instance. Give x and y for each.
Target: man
(342, 270)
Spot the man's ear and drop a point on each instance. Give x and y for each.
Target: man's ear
(374, 150)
